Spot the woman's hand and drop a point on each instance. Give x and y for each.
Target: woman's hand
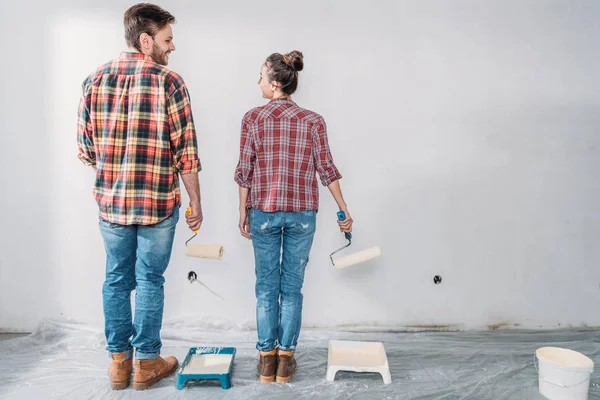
(244, 224)
(346, 225)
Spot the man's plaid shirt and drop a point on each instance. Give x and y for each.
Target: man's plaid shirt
(136, 129)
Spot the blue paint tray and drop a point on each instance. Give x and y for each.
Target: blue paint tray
(207, 363)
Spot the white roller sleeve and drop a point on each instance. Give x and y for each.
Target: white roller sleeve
(356, 258)
(205, 251)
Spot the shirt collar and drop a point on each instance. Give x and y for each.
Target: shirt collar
(282, 101)
(126, 55)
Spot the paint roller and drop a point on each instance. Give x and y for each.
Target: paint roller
(214, 252)
(355, 258)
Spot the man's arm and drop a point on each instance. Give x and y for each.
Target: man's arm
(192, 186)
(184, 146)
(85, 141)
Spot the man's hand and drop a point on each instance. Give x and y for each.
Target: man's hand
(192, 186)
(195, 218)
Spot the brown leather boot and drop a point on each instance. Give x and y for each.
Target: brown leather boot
(119, 371)
(267, 366)
(286, 366)
(148, 372)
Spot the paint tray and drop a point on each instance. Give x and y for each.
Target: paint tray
(345, 355)
(207, 363)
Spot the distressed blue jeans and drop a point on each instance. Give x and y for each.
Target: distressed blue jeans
(136, 258)
(282, 243)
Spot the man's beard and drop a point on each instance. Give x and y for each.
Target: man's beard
(159, 56)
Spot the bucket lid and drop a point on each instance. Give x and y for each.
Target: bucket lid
(564, 357)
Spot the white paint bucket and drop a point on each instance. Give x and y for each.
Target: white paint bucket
(563, 374)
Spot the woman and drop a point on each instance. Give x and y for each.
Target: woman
(282, 148)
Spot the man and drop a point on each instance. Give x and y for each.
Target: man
(136, 130)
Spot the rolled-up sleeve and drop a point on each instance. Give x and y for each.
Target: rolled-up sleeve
(85, 140)
(324, 165)
(184, 145)
(245, 167)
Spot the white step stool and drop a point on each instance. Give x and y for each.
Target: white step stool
(345, 355)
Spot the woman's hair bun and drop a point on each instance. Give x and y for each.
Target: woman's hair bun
(294, 60)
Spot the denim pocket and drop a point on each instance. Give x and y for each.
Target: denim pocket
(109, 225)
(306, 222)
(169, 221)
(260, 222)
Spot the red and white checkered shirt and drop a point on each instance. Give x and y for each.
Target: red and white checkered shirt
(136, 128)
(282, 147)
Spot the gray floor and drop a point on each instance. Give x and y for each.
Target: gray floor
(8, 336)
(68, 361)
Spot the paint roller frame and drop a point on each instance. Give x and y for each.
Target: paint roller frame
(355, 258)
(214, 252)
(341, 217)
(195, 233)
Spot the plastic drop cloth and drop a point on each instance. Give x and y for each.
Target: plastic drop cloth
(67, 361)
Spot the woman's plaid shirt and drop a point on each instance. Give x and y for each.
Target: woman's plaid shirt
(282, 148)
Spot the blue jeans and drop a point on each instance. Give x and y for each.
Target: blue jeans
(282, 242)
(136, 258)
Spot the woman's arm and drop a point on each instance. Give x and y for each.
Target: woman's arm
(336, 192)
(244, 223)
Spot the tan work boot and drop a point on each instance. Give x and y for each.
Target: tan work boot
(119, 371)
(267, 366)
(286, 366)
(148, 372)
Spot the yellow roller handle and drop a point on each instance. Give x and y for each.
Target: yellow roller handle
(189, 212)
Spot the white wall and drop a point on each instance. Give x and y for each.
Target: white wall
(467, 133)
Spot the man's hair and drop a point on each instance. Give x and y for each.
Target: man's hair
(144, 18)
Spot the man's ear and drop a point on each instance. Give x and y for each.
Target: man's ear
(145, 41)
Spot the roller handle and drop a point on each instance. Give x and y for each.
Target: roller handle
(342, 216)
(189, 212)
